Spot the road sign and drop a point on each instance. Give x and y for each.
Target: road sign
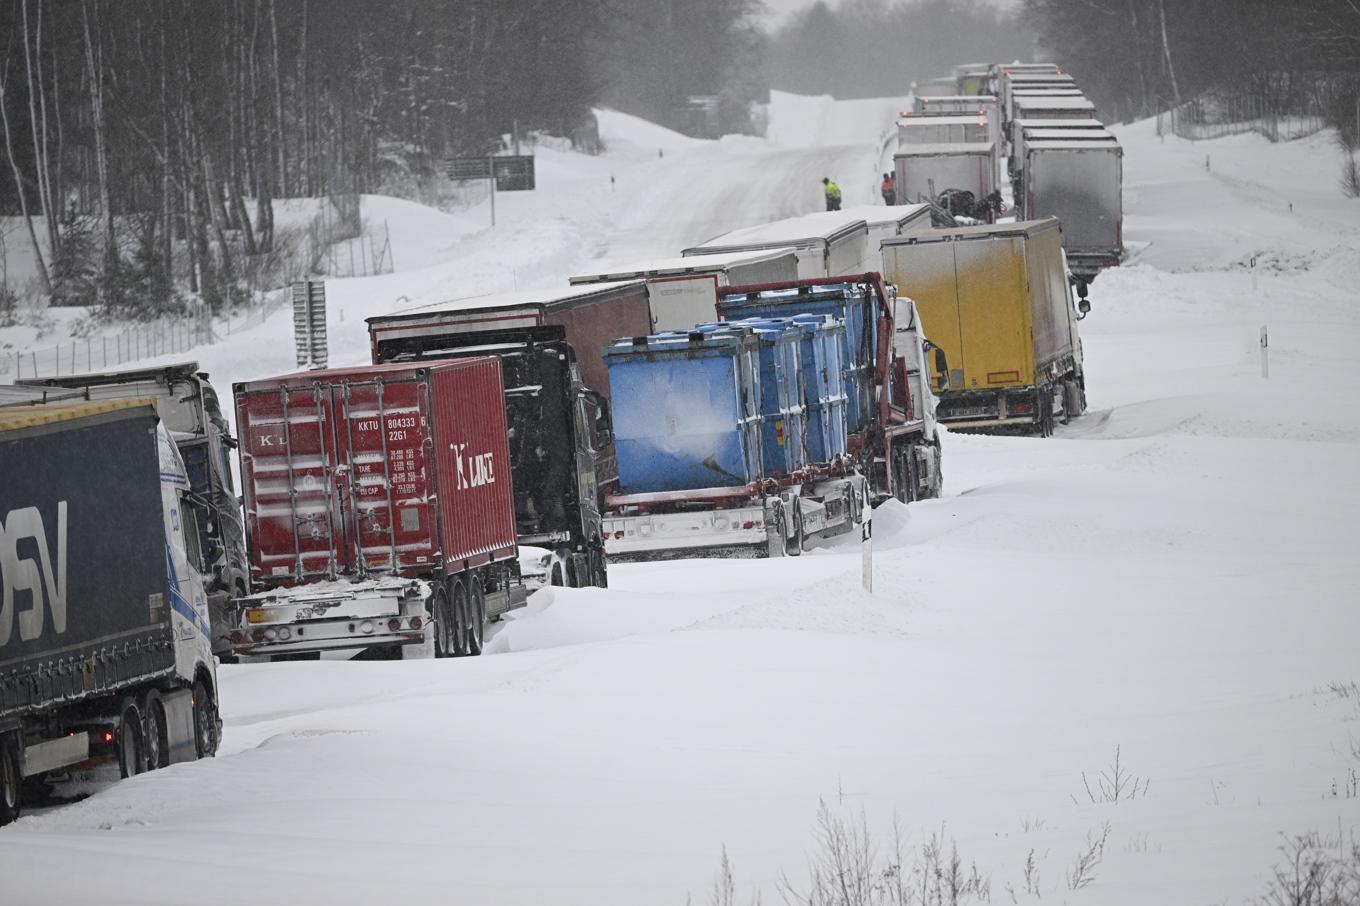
(309, 323)
(512, 173)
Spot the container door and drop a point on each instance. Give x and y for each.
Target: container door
(992, 300)
(746, 368)
(384, 502)
(288, 463)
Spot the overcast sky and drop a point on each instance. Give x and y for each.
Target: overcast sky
(778, 9)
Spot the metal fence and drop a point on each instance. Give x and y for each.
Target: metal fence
(166, 336)
(1217, 115)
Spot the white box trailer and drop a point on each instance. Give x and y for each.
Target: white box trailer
(885, 222)
(827, 244)
(1080, 183)
(1055, 107)
(924, 171)
(946, 128)
(986, 104)
(684, 291)
(1013, 82)
(1009, 113)
(1017, 135)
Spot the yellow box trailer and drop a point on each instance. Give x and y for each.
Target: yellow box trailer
(998, 301)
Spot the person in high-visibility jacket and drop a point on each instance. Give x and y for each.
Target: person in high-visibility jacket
(833, 194)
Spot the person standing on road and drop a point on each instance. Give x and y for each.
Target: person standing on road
(833, 194)
(888, 190)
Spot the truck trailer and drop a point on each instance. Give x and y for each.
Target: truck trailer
(561, 448)
(106, 666)
(827, 244)
(998, 300)
(190, 410)
(592, 316)
(705, 459)
(684, 291)
(1077, 177)
(1018, 128)
(925, 172)
(379, 510)
(946, 128)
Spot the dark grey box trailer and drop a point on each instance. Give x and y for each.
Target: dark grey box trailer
(90, 661)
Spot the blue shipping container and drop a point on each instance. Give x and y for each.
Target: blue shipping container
(782, 400)
(844, 302)
(686, 411)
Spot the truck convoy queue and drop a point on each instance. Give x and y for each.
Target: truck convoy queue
(757, 392)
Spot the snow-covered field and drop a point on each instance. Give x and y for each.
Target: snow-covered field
(1173, 578)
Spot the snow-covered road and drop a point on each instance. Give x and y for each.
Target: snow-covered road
(1171, 578)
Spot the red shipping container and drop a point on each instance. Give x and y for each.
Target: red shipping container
(377, 470)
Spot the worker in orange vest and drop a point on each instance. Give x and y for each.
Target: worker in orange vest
(888, 189)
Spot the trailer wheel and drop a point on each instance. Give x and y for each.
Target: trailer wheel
(205, 721)
(461, 619)
(131, 752)
(476, 617)
(155, 732)
(778, 547)
(795, 542)
(599, 568)
(11, 782)
(443, 623)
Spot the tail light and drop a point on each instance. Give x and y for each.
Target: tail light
(417, 622)
(236, 637)
(394, 624)
(257, 635)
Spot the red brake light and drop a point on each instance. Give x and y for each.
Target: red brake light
(417, 622)
(258, 635)
(394, 624)
(108, 737)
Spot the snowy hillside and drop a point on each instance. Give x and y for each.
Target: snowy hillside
(1169, 581)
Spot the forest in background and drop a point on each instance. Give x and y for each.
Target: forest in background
(144, 140)
(1134, 58)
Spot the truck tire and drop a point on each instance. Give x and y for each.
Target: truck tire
(476, 617)
(131, 751)
(461, 619)
(206, 737)
(155, 732)
(794, 546)
(443, 623)
(11, 782)
(599, 568)
(776, 542)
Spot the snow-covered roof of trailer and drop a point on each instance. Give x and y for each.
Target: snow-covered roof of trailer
(1110, 144)
(522, 298)
(679, 266)
(793, 230)
(942, 119)
(934, 149)
(878, 214)
(947, 234)
(1077, 135)
(1052, 102)
(1048, 122)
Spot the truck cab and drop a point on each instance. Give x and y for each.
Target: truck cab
(190, 411)
(561, 444)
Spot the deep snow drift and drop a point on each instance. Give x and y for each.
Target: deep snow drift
(1172, 577)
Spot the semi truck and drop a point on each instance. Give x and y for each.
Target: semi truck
(684, 291)
(1051, 106)
(925, 172)
(1077, 176)
(946, 128)
(190, 410)
(708, 452)
(998, 300)
(827, 244)
(560, 442)
(591, 314)
(984, 106)
(1019, 128)
(379, 510)
(106, 666)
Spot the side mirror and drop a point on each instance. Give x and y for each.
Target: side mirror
(942, 367)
